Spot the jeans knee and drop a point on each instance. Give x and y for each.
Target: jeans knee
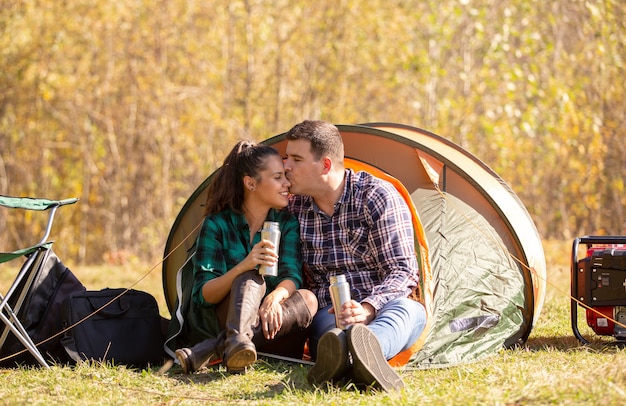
(398, 325)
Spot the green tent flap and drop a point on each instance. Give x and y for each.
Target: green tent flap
(479, 291)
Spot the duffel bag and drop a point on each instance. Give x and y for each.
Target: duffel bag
(122, 326)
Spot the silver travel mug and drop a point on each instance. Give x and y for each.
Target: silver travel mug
(339, 294)
(270, 231)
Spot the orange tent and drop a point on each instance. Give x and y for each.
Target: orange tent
(483, 266)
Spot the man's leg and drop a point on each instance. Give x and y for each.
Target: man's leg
(328, 348)
(321, 324)
(398, 325)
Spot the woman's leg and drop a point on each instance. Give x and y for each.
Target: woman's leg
(298, 311)
(246, 294)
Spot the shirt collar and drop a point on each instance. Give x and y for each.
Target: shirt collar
(343, 199)
(347, 188)
(239, 220)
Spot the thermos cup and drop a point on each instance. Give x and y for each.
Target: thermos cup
(270, 231)
(339, 294)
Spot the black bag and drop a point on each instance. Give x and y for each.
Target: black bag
(117, 325)
(41, 312)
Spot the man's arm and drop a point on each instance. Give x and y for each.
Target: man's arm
(394, 239)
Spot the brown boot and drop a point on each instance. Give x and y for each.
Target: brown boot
(296, 319)
(246, 294)
(202, 354)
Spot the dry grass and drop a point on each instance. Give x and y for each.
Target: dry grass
(552, 368)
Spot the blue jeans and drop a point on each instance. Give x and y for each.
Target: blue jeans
(397, 326)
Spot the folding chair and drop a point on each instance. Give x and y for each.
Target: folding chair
(13, 300)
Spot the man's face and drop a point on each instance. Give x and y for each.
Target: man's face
(301, 168)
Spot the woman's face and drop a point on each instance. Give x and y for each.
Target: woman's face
(272, 186)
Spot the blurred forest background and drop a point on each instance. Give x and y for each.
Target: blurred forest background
(130, 104)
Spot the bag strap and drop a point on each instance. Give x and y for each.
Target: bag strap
(69, 344)
(124, 307)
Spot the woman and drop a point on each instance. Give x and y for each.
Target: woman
(242, 310)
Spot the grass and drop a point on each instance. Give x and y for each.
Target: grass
(552, 368)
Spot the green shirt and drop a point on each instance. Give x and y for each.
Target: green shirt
(224, 241)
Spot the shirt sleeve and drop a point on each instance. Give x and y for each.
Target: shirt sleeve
(393, 238)
(290, 251)
(208, 261)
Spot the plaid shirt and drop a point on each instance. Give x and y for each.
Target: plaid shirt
(224, 241)
(369, 238)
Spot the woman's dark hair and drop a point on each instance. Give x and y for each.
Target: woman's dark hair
(225, 191)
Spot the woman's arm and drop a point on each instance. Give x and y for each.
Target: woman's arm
(215, 290)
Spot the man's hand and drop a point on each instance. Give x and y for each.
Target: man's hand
(353, 312)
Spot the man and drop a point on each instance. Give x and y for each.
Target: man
(357, 225)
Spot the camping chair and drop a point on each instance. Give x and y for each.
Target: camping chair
(13, 300)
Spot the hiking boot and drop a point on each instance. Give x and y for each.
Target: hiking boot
(332, 358)
(369, 365)
(246, 294)
(202, 354)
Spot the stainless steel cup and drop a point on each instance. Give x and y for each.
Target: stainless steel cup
(339, 294)
(270, 231)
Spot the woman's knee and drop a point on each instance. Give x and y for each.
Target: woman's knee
(310, 300)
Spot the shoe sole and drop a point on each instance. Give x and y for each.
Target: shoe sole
(238, 362)
(183, 359)
(369, 364)
(332, 358)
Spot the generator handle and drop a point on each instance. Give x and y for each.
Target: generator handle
(574, 289)
(601, 239)
(589, 240)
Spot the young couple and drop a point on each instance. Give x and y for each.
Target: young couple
(337, 222)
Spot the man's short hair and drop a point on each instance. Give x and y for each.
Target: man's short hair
(324, 137)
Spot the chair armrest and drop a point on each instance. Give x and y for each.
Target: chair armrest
(30, 203)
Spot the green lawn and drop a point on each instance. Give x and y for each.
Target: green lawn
(552, 368)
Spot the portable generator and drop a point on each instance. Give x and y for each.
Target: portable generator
(599, 283)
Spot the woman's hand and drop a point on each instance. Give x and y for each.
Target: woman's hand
(271, 315)
(263, 253)
(215, 290)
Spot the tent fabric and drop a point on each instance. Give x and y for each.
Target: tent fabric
(487, 267)
(478, 300)
(190, 323)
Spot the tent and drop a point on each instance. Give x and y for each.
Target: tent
(483, 266)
